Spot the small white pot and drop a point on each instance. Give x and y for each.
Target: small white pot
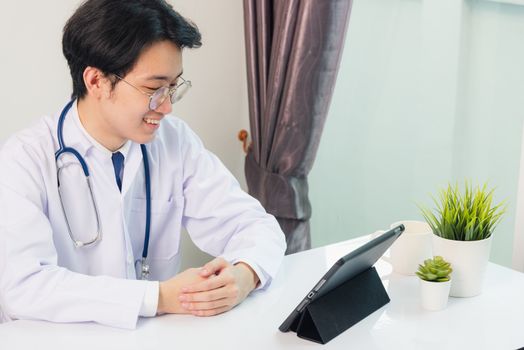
(468, 260)
(434, 295)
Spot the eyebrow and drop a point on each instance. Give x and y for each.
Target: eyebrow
(163, 77)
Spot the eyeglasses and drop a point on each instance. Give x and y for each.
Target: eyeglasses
(158, 97)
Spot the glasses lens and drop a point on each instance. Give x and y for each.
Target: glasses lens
(158, 97)
(180, 91)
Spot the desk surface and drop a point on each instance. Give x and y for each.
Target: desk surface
(493, 320)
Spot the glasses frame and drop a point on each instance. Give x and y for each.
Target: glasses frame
(170, 92)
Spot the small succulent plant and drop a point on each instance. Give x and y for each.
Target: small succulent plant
(435, 270)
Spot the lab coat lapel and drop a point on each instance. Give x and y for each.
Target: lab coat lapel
(133, 162)
(108, 257)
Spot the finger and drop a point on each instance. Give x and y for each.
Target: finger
(209, 284)
(213, 312)
(213, 267)
(210, 295)
(207, 305)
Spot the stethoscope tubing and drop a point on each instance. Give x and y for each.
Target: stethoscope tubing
(63, 149)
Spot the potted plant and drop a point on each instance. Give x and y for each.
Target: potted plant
(435, 283)
(462, 232)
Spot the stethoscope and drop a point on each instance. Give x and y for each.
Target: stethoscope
(140, 264)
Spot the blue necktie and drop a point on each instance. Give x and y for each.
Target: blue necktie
(118, 165)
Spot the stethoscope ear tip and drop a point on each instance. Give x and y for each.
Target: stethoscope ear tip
(79, 244)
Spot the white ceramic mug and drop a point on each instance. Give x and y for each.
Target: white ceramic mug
(411, 248)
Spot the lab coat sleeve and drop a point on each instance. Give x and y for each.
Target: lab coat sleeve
(32, 285)
(222, 219)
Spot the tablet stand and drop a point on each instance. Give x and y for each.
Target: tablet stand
(333, 313)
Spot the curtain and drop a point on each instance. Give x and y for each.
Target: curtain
(293, 50)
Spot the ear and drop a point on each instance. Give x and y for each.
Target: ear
(97, 84)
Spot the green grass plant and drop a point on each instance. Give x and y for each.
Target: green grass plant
(464, 216)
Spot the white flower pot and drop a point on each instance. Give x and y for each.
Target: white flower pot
(434, 295)
(468, 260)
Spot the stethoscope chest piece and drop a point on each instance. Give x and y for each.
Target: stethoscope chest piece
(142, 266)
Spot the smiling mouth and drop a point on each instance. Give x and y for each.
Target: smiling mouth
(152, 121)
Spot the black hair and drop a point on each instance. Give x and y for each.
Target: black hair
(111, 34)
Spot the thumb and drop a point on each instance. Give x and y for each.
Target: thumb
(213, 267)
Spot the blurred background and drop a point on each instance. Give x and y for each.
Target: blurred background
(428, 92)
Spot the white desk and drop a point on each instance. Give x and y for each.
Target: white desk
(493, 320)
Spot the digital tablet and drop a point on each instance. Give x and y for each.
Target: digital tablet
(346, 268)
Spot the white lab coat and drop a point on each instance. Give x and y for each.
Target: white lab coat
(43, 276)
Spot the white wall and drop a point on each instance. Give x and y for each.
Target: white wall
(35, 77)
(518, 241)
(36, 81)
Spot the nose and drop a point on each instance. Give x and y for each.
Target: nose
(166, 107)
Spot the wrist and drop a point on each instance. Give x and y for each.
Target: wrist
(161, 294)
(252, 273)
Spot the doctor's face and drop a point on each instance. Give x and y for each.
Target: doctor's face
(127, 111)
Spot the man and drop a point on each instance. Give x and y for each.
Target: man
(96, 196)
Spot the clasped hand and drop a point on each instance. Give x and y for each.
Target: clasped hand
(213, 289)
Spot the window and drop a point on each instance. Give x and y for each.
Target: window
(428, 92)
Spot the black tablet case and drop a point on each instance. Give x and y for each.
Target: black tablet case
(333, 313)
